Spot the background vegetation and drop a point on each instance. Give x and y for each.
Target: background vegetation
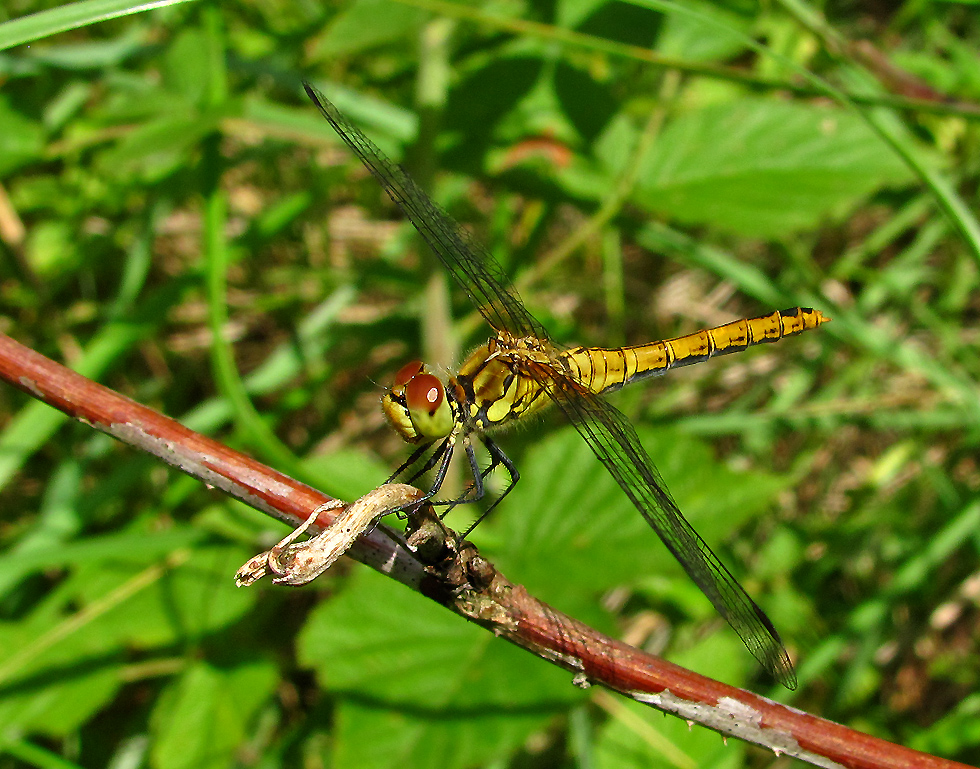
(642, 170)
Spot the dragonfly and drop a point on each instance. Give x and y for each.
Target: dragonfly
(519, 371)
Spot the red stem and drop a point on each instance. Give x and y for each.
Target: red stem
(505, 608)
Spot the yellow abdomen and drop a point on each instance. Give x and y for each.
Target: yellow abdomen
(602, 370)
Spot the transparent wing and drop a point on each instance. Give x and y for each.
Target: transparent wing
(615, 442)
(467, 261)
(605, 429)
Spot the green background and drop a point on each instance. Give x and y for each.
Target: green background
(641, 170)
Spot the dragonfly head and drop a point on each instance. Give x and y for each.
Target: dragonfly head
(417, 406)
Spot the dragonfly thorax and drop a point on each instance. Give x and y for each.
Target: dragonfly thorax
(497, 385)
(417, 405)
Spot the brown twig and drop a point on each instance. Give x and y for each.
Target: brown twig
(213, 463)
(463, 581)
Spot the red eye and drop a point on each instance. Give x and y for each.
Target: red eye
(406, 372)
(424, 393)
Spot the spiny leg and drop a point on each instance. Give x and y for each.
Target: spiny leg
(442, 455)
(478, 490)
(407, 464)
(438, 455)
(497, 457)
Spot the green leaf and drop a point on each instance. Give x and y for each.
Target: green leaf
(93, 55)
(188, 67)
(160, 147)
(51, 249)
(425, 689)
(58, 668)
(62, 664)
(189, 602)
(21, 139)
(350, 473)
(478, 102)
(588, 104)
(44, 549)
(571, 533)
(36, 422)
(957, 730)
(367, 24)
(203, 718)
(765, 167)
(628, 23)
(72, 16)
(58, 689)
(690, 38)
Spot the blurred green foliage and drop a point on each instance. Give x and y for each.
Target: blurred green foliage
(162, 176)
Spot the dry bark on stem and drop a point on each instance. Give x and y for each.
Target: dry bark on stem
(217, 465)
(463, 581)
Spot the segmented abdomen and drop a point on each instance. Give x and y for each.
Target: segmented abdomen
(602, 370)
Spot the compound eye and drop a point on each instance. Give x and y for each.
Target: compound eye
(424, 393)
(406, 372)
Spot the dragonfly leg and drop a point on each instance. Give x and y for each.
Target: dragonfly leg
(479, 489)
(445, 452)
(442, 455)
(497, 457)
(407, 464)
